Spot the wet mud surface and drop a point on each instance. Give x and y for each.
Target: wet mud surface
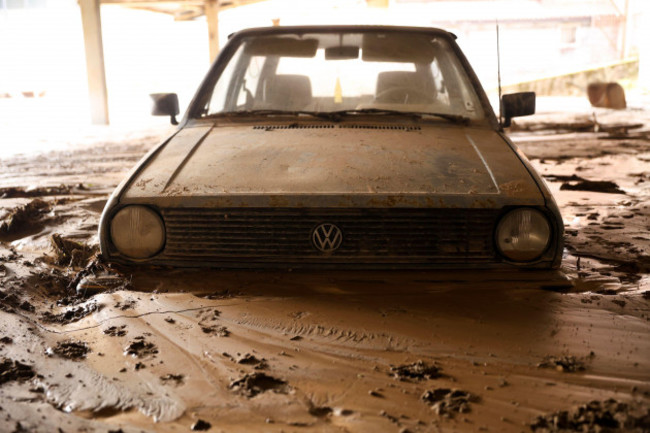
(85, 346)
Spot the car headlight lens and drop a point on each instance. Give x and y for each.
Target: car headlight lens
(523, 234)
(137, 232)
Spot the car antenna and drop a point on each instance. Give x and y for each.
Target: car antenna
(499, 74)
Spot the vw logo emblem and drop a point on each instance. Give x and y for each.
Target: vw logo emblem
(327, 237)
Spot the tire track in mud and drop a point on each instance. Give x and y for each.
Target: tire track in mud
(109, 319)
(352, 337)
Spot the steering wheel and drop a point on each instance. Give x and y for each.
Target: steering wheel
(402, 95)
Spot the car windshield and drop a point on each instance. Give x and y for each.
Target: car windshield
(346, 73)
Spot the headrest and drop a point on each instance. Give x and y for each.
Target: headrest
(289, 92)
(403, 79)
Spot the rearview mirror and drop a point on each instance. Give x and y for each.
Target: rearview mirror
(344, 52)
(165, 104)
(517, 104)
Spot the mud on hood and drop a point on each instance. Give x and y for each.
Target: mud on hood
(229, 165)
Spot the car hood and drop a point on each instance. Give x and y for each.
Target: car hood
(334, 165)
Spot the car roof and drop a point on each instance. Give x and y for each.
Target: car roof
(338, 29)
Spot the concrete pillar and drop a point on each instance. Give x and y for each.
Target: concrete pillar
(212, 18)
(644, 47)
(92, 28)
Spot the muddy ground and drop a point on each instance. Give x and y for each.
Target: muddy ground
(238, 351)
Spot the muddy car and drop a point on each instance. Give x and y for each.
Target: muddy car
(352, 146)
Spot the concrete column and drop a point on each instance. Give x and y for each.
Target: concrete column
(644, 47)
(92, 28)
(212, 18)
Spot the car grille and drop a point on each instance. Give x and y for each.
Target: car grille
(280, 235)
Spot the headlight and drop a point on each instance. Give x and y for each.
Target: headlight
(523, 234)
(137, 232)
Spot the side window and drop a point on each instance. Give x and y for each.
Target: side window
(220, 93)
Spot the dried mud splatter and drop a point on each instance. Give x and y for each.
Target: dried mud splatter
(140, 348)
(12, 370)
(417, 371)
(448, 402)
(253, 384)
(596, 416)
(74, 350)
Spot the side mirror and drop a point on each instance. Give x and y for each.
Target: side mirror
(165, 104)
(517, 104)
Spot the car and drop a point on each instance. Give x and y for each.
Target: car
(336, 147)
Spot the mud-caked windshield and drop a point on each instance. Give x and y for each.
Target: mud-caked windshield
(335, 72)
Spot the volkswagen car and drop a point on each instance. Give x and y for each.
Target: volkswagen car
(344, 146)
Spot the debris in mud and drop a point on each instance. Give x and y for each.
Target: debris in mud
(52, 280)
(70, 349)
(568, 363)
(129, 304)
(577, 183)
(19, 192)
(139, 348)
(220, 294)
(9, 302)
(201, 425)
(595, 416)
(22, 218)
(176, 379)
(248, 359)
(256, 383)
(320, 411)
(621, 303)
(418, 370)
(209, 314)
(219, 331)
(447, 402)
(68, 252)
(11, 370)
(71, 315)
(115, 331)
(92, 285)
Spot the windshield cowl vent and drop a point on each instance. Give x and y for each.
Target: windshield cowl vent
(326, 126)
(292, 126)
(383, 127)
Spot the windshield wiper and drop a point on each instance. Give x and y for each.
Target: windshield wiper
(243, 113)
(456, 118)
(336, 116)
